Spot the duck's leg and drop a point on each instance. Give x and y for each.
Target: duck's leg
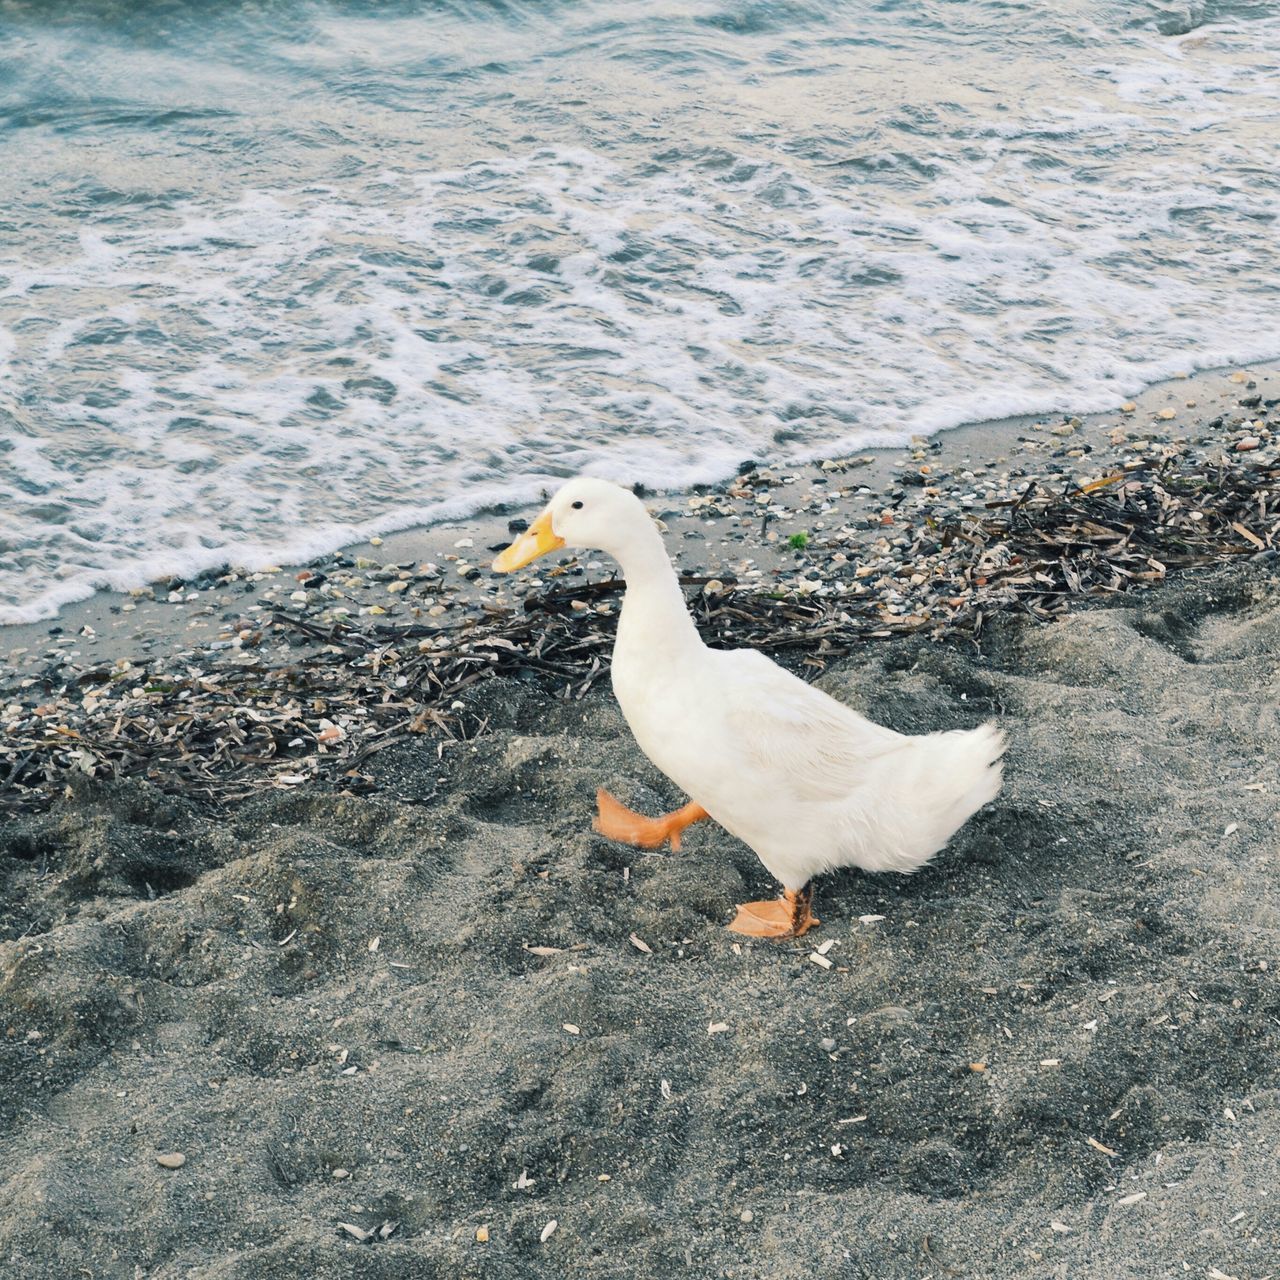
(786, 917)
(615, 820)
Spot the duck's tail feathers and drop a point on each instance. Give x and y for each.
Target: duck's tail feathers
(933, 788)
(980, 772)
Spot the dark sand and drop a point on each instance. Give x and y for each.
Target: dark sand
(330, 1007)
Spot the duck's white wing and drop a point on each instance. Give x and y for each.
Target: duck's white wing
(803, 739)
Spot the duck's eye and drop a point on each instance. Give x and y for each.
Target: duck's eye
(577, 506)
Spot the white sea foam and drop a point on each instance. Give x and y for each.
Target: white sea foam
(266, 378)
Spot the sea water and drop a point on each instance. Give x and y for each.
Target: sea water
(276, 276)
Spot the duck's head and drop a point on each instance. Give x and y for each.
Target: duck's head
(587, 514)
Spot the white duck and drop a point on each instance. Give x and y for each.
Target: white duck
(808, 783)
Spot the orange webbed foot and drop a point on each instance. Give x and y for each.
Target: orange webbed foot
(787, 917)
(615, 821)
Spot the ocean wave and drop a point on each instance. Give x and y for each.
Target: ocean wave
(264, 374)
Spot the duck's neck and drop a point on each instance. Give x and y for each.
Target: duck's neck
(654, 613)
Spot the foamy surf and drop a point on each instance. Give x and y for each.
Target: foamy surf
(263, 374)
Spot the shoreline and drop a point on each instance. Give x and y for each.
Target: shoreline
(483, 513)
(123, 621)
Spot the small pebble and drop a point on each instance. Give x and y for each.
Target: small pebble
(173, 1160)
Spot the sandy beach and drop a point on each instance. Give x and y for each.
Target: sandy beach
(379, 1004)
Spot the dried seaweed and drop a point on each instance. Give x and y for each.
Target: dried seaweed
(218, 729)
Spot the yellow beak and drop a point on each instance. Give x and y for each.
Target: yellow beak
(536, 541)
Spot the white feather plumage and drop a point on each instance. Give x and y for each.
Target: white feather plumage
(809, 784)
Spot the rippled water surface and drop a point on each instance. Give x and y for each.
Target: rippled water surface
(273, 275)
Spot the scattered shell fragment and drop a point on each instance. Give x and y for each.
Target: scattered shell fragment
(1098, 1146)
(715, 1028)
(640, 944)
(820, 960)
(548, 1231)
(573, 1029)
(1132, 1199)
(482, 1235)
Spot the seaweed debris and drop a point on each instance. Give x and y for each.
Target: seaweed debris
(216, 727)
